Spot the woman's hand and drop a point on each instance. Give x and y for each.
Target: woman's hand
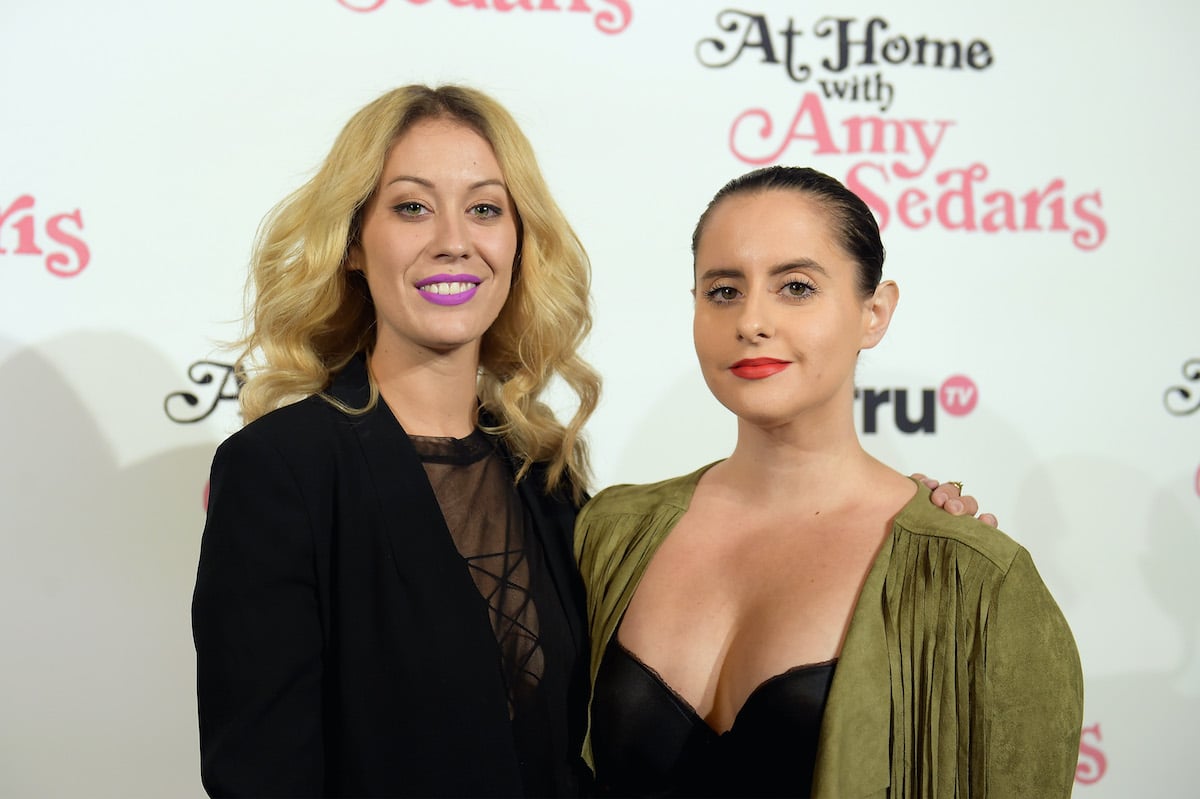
(948, 496)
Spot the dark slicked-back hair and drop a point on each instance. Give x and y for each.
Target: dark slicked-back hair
(853, 223)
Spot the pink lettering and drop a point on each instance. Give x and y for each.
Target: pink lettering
(963, 195)
(913, 200)
(366, 6)
(610, 20)
(1003, 216)
(809, 107)
(60, 263)
(960, 203)
(876, 203)
(1092, 762)
(876, 135)
(879, 144)
(26, 243)
(1092, 236)
(19, 216)
(1033, 204)
(957, 204)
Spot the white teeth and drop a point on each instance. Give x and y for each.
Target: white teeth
(447, 288)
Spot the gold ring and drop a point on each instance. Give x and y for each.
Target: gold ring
(956, 483)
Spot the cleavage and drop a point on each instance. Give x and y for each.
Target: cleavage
(812, 677)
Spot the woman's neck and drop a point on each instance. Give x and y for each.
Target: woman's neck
(429, 396)
(826, 460)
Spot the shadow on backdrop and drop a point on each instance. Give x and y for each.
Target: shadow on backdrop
(96, 579)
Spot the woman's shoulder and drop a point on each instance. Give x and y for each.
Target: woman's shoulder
(319, 415)
(623, 523)
(644, 499)
(924, 520)
(307, 426)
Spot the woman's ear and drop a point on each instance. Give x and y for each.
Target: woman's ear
(353, 260)
(877, 313)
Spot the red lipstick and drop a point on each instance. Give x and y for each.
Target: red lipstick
(758, 368)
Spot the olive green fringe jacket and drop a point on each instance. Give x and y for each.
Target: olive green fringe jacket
(958, 676)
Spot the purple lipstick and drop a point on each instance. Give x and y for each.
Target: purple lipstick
(448, 289)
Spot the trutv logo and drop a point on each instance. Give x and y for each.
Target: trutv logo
(915, 410)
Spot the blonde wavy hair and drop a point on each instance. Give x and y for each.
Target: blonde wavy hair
(309, 315)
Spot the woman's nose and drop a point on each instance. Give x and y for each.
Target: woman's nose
(451, 237)
(755, 320)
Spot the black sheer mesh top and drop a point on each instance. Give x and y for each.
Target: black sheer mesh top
(648, 741)
(487, 520)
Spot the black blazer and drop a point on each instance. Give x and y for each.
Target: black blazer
(342, 647)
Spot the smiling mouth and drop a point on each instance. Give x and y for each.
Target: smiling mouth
(448, 289)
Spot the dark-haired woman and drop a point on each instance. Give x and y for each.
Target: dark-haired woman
(798, 619)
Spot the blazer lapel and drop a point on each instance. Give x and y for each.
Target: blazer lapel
(433, 574)
(553, 521)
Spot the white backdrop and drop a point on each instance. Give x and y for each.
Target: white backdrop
(143, 142)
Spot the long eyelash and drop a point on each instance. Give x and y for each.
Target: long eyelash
(809, 288)
(715, 290)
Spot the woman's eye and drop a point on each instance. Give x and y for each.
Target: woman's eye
(722, 293)
(796, 288)
(485, 211)
(409, 209)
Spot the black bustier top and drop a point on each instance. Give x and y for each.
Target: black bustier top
(647, 741)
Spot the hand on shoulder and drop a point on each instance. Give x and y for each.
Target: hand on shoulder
(949, 497)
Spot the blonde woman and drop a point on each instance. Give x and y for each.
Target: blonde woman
(798, 620)
(386, 603)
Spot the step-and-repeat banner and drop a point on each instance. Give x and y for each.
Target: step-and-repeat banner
(1032, 165)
